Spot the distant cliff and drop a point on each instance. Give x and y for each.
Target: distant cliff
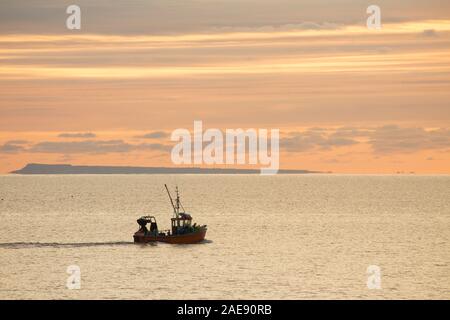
(36, 168)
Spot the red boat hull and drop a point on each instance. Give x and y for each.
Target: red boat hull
(140, 237)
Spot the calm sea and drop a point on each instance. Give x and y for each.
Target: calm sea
(269, 237)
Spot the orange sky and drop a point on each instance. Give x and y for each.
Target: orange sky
(345, 98)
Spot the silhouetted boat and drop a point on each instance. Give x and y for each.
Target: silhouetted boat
(182, 232)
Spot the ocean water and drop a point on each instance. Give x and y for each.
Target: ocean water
(269, 237)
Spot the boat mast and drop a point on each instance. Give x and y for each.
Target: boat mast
(178, 201)
(175, 211)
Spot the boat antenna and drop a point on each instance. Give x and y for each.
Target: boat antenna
(171, 201)
(179, 201)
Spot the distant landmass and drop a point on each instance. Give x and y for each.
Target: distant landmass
(37, 168)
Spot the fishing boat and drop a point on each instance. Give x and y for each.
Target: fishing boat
(182, 231)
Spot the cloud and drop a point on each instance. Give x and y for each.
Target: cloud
(85, 146)
(312, 26)
(77, 135)
(395, 139)
(162, 16)
(429, 33)
(314, 138)
(17, 142)
(351, 132)
(382, 140)
(13, 146)
(9, 147)
(153, 135)
(308, 25)
(154, 147)
(389, 139)
(94, 147)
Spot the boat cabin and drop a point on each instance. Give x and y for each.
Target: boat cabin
(181, 223)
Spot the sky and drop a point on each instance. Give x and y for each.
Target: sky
(345, 98)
